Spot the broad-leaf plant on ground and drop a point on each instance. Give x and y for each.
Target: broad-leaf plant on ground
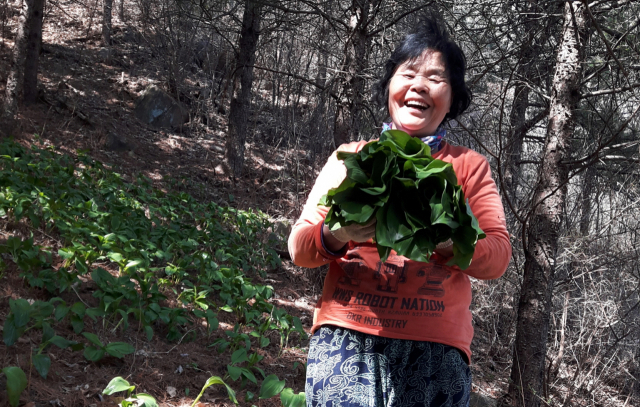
(138, 245)
(415, 199)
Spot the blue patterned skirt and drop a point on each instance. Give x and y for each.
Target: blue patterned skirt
(347, 368)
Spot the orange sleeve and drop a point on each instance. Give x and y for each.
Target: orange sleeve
(305, 240)
(493, 253)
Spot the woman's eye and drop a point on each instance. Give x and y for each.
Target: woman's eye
(408, 75)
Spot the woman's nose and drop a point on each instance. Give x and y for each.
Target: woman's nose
(419, 85)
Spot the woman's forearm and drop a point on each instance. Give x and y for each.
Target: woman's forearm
(331, 243)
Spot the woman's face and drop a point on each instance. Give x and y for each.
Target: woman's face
(420, 94)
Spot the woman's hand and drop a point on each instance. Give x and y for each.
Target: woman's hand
(336, 239)
(445, 249)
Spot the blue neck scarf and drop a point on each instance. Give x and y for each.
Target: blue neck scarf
(432, 141)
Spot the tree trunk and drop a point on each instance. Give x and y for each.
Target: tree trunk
(527, 372)
(107, 8)
(515, 137)
(319, 130)
(239, 110)
(351, 81)
(588, 185)
(635, 370)
(528, 18)
(34, 45)
(15, 80)
(121, 11)
(318, 121)
(554, 366)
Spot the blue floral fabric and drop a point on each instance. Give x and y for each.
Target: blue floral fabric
(435, 140)
(347, 368)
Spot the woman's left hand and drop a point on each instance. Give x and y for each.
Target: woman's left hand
(445, 249)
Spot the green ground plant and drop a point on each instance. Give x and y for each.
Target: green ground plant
(16, 383)
(149, 243)
(118, 384)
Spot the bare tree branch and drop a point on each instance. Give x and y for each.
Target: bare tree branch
(610, 91)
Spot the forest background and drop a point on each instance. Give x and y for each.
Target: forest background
(261, 93)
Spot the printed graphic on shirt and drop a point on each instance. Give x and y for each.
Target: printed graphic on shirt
(392, 277)
(435, 276)
(391, 273)
(352, 268)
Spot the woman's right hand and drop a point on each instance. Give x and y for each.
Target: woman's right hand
(336, 239)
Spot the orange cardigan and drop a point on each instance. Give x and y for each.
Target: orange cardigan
(401, 298)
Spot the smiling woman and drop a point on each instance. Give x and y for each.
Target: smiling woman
(420, 94)
(417, 50)
(398, 332)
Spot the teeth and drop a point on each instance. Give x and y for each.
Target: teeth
(419, 105)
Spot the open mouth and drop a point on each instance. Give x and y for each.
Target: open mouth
(416, 105)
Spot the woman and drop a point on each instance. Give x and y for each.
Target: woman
(399, 333)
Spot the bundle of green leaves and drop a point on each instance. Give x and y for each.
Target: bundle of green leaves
(415, 198)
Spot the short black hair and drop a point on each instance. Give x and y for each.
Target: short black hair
(430, 34)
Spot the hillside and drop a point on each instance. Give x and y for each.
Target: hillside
(118, 232)
(86, 105)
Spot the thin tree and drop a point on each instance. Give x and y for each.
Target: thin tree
(34, 45)
(14, 93)
(239, 109)
(526, 76)
(107, 7)
(543, 229)
(351, 83)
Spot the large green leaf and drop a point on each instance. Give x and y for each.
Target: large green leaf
(396, 224)
(234, 372)
(147, 400)
(382, 233)
(216, 380)
(61, 342)
(415, 198)
(47, 332)
(249, 375)
(93, 354)
(93, 338)
(77, 323)
(119, 349)
(271, 386)
(16, 383)
(42, 363)
(116, 385)
(61, 311)
(20, 309)
(290, 399)
(356, 212)
(149, 332)
(10, 332)
(474, 221)
(354, 171)
(239, 356)
(79, 309)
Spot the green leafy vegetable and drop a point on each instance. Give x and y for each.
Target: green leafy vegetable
(415, 199)
(118, 384)
(160, 241)
(16, 383)
(290, 399)
(271, 386)
(42, 364)
(216, 380)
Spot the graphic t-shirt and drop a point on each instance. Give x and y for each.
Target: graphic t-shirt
(401, 298)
